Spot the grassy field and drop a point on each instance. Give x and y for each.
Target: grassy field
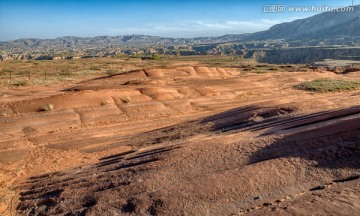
(21, 73)
(326, 85)
(31, 72)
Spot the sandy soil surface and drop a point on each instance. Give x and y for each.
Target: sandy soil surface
(187, 140)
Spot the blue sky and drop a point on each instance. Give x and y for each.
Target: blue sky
(169, 18)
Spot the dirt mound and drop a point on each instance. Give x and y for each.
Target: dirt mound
(160, 93)
(155, 73)
(45, 121)
(189, 70)
(63, 101)
(203, 71)
(105, 113)
(150, 108)
(170, 72)
(211, 71)
(206, 91)
(189, 92)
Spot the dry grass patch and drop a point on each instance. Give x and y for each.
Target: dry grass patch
(46, 108)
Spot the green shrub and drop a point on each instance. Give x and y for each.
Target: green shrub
(326, 85)
(111, 72)
(155, 57)
(95, 68)
(65, 73)
(20, 83)
(6, 71)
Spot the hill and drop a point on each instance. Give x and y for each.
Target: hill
(328, 25)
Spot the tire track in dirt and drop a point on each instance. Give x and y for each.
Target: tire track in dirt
(281, 202)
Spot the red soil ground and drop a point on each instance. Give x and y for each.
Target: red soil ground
(181, 141)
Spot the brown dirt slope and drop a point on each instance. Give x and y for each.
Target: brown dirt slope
(180, 141)
(313, 156)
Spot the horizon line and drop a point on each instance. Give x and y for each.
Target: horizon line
(28, 38)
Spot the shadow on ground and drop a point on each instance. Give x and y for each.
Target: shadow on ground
(331, 138)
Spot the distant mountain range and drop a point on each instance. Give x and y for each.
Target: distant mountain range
(329, 25)
(325, 26)
(130, 41)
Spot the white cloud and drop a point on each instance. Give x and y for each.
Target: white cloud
(200, 28)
